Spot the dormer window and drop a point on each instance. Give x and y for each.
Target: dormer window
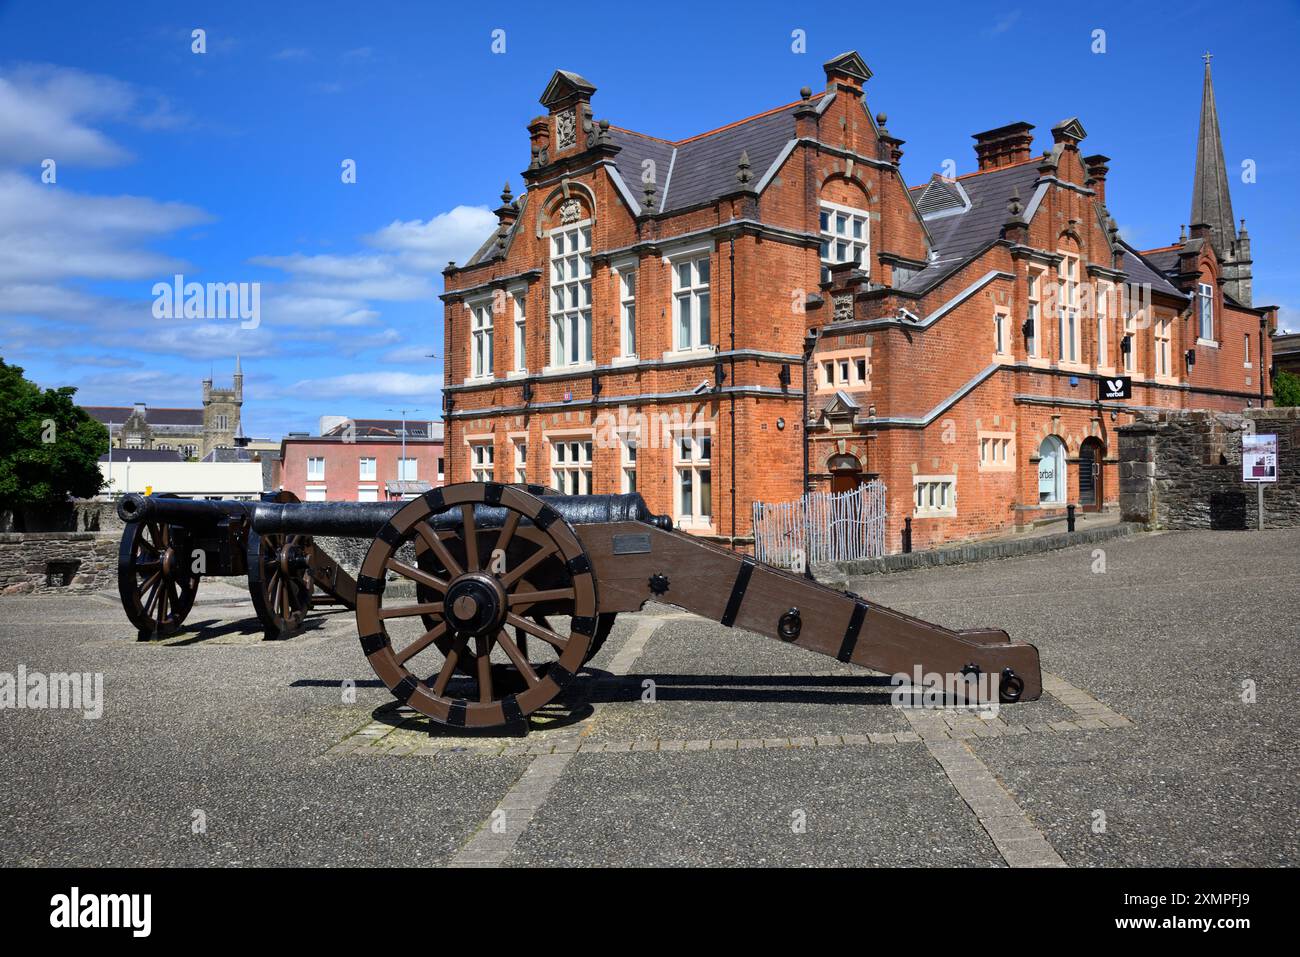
(1205, 296)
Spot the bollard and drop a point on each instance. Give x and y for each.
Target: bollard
(1069, 518)
(907, 534)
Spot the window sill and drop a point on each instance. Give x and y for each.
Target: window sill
(935, 513)
(625, 360)
(1208, 343)
(516, 373)
(478, 380)
(568, 370)
(694, 527)
(699, 352)
(1038, 362)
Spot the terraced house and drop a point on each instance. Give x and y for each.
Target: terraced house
(682, 318)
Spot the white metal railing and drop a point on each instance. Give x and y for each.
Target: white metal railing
(821, 527)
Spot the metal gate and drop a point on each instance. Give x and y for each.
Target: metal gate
(821, 527)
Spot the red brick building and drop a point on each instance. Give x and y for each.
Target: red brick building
(639, 318)
(363, 460)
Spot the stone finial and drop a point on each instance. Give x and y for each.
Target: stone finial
(743, 175)
(648, 194)
(805, 93)
(881, 118)
(506, 196)
(1182, 234)
(1013, 204)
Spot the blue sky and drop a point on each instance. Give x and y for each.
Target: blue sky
(225, 166)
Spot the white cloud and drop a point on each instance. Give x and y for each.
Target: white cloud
(45, 109)
(368, 384)
(50, 232)
(430, 244)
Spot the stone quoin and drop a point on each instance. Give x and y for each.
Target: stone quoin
(963, 325)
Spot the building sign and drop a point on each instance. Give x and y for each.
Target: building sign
(1259, 458)
(1047, 478)
(1120, 387)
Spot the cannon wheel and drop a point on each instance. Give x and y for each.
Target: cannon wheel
(279, 576)
(279, 581)
(478, 606)
(154, 578)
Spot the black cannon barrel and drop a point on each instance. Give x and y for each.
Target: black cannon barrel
(134, 507)
(364, 519)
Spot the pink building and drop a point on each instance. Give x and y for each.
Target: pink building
(362, 460)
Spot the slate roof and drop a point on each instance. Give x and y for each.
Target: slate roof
(958, 236)
(693, 171)
(489, 248)
(117, 414)
(221, 454)
(390, 428)
(144, 455)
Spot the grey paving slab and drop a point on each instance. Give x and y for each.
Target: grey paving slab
(860, 806)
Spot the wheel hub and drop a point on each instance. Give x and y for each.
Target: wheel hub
(475, 604)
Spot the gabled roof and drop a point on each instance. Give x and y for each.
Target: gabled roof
(700, 169)
(389, 428)
(144, 455)
(960, 233)
(490, 249)
(1141, 270)
(117, 414)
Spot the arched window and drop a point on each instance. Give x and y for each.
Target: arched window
(1051, 470)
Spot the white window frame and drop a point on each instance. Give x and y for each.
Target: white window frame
(364, 474)
(628, 447)
(1000, 332)
(934, 496)
(1205, 314)
(520, 305)
(367, 493)
(571, 463)
(314, 473)
(1162, 336)
(1067, 311)
(627, 313)
(696, 298)
(840, 247)
(1102, 304)
(997, 451)
(481, 345)
(1246, 363)
(316, 495)
(519, 451)
(692, 458)
(1061, 487)
(1130, 333)
(1034, 311)
(570, 295)
(482, 460)
(414, 470)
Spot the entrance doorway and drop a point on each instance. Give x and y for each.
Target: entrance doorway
(1091, 493)
(846, 473)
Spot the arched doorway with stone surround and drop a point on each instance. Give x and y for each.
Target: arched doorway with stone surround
(846, 472)
(1092, 471)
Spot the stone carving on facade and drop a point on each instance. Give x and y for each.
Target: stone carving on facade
(570, 212)
(566, 130)
(843, 308)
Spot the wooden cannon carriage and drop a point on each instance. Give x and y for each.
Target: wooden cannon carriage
(486, 559)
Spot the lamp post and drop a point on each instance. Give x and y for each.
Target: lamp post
(402, 462)
(809, 345)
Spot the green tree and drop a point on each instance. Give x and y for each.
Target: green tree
(1286, 388)
(49, 447)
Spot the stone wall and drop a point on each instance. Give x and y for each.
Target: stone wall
(57, 561)
(1183, 469)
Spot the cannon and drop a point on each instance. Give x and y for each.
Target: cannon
(170, 543)
(487, 559)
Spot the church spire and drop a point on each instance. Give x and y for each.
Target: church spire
(1211, 202)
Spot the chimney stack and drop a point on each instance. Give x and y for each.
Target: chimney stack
(1097, 170)
(1004, 146)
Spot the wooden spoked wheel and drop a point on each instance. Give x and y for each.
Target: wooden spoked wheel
(491, 583)
(279, 581)
(154, 578)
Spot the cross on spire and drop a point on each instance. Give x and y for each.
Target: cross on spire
(1207, 56)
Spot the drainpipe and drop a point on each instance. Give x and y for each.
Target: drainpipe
(809, 344)
(1263, 331)
(732, 243)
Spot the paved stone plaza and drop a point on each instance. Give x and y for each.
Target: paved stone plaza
(1141, 751)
